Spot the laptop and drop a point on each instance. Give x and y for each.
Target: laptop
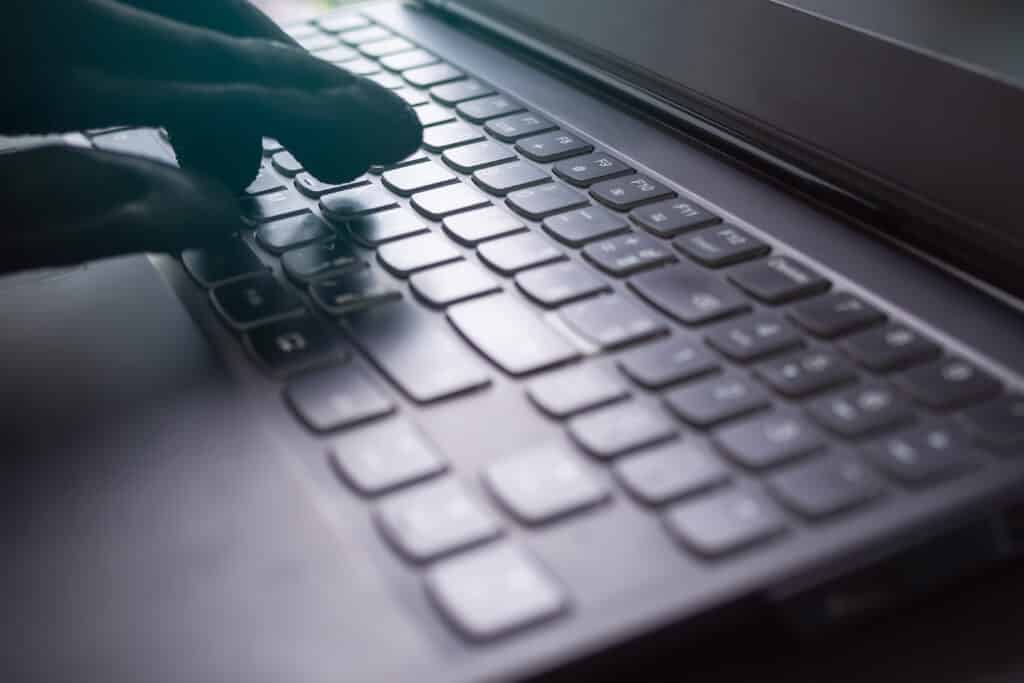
(686, 315)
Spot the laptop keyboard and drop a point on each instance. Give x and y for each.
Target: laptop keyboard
(509, 231)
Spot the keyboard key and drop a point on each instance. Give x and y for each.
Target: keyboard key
(860, 411)
(484, 109)
(514, 126)
(509, 255)
(626, 193)
(469, 158)
(286, 164)
(337, 54)
(383, 48)
(553, 146)
(716, 400)
(510, 334)
(386, 226)
(538, 202)
(441, 137)
(674, 360)
(687, 294)
(265, 181)
(315, 189)
(806, 373)
(611, 321)
(947, 384)
(411, 254)
(578, 227)
(575, 390)
(769, 440)
(560, 283)
(544, 484)
(353, 289)
(889, 347)
(384, 458)
(586, 170)
(231, 260)
(417, 177)
(286, 346)
(365, 35)
(389, 81)
(998, 423)
(435, 74)
(336, 397)
(451, 284)
(271, 206)
(434, 519)
(357, 201)
(826, 487)
(672, 217)
(444, 201)
(725, 522)
(431, 114)
(316, 42)
(472, 227)
(460, 91)
(413, 98)
(924, 455)
(753, 337)
(778, 279)
(668, 472)
(316, 260)
(407, 60)
(360, 67)
(493, 591)
(834, 314)
(416, 352)
(721, 245)
(303, 30)
(255, 300)
(287, 233)
(501, 180)
(628, 254)
(337, 22)
(621, 428)
(414, 158)
(271, 146)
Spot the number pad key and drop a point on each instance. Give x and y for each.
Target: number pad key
(539, 202)
(947, 384)
(806, 373)
(353, 289)
(672, 217)
(723, 523)
(255, 300)
(864, 410)
(689, 295)
(835, 314)
(924, 455)
(575, 390)
(626, 193)
(511, 128)
(621, 428)
(658, 365)
(576, 228)
(778, 279)
(288, 345)
(560, 283)
(769, 440)
(587, 170)
(553, 146)
(716, 400)
(509, 255)
(721, 246)
(611, 321)
(753, 337)
(826, 487)
(665, 473)
(384, 458)
(889, 347)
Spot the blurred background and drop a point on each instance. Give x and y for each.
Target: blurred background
(288, 10)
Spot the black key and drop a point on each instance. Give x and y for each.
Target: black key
(316, 260)
(417, 177)
(924, 455)
(889, 347)
(584, 171)
(769, 440)
(835, 314)
(453, 283)
(440, 138)
(272, 205)
(286, 164)
(353, 289)
(493, 591)
(581, 226)
(721, 245)
(560, 283)
(573, 391)
(378, 228)
(271, 146)
(629, 192)
(418, 353)
(357, 201)
(315, 189)
(544, 484)
(414, 158)
(230, 260)
(488, 108)
(255, 300)
(947, 384)
(753, 337)
(672, 217)
(778, 279)
(998, 423)
(689, 295)
(621, 428)
(287, 233)
(386, 457)
(431, 114)
(285, 346)
(545, 200)
(611, 321)
(407, 60)
(826, 487)
(806, 373)
(509, 255)
(553, 146)
(413, 98)
(668, 362)
(469, 158)
(725, 522)
(716, 400)
(337, 54)
(434, 519)
(510, 334)
(265, 181)
(514, 126)
(472, 227)
(435, 74)
(453, 93)
(389, 81)
(860, 411)
(383, 48)
(365, 35)
(670, 471)
(411, 254)
(444, 201)
(360, 67)
(336, 397)
(337, 22)
(501, 180)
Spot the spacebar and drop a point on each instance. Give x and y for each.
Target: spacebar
(417, 352)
